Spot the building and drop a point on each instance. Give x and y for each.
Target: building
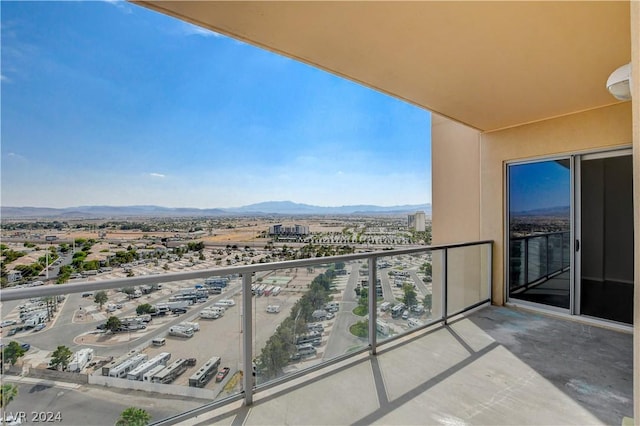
(417, 221)
(289, 231)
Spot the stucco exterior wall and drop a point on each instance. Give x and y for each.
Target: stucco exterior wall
(456, 182)
(607, 127)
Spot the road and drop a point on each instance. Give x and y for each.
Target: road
(387, 290)
(422, 287)
(102, 406)
(341, 340)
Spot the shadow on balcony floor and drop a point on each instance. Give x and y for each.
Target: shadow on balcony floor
(497, 366)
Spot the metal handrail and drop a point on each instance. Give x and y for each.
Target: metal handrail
(246, 271)
(60, 289)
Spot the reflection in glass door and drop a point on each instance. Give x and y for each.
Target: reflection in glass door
(540, 232)
(605, 220)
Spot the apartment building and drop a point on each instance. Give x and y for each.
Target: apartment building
(417, 221)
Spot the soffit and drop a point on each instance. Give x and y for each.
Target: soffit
(488, 65)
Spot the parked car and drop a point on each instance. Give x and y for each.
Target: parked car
(7, 323)
(12, 332)
(179, 310)
(25, 346)
(222, 374)
(39, 327)
(273, 309)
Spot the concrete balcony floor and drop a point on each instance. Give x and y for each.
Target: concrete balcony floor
(497, 366)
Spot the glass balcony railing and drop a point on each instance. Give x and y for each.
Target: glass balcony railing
(203, 338)
(538, 257)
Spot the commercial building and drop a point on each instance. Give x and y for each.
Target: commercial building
(291, 231)
(417, 221)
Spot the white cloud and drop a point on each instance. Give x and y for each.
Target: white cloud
(157, 175)
(120, 4)
(4, 78)
(190, 29)
(15, 156)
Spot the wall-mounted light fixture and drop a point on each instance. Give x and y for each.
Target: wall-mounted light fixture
(619, 83)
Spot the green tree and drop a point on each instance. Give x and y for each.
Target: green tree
(91, 265)
(12, 352)
(8, 392)
(61, 357)
(11, 255)
(427, 302)
(280, 346)
(133, 416)
(100, 298)
(113, 323)
(129, 291)
(145, 308)
(426, 268)
(410, 296)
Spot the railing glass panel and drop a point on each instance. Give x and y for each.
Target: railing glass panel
(200, 322)
(404, 294)
(303, 317)
(467, 277)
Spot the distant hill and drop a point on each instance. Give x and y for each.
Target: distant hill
(265, 208)
(289, 207)
(556, 211)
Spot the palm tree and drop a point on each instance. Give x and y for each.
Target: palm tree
(133, 416)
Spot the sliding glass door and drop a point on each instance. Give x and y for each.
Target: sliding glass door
(540, 232)
(605, 234)
(570, 234)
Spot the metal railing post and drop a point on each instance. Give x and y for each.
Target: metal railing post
(526, 262)
(445, 286)
(248, 380)
(490, 272)
(373, 303)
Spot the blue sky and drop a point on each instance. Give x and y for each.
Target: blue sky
(539, 185)
(107, 103)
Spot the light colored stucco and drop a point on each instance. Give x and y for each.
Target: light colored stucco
(455, 181)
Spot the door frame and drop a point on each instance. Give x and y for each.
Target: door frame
(575, 158)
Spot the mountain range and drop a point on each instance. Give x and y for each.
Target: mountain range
(264, 208)
(555, 211)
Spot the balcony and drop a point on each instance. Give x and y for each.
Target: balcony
(540, 268)
(450, 358)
